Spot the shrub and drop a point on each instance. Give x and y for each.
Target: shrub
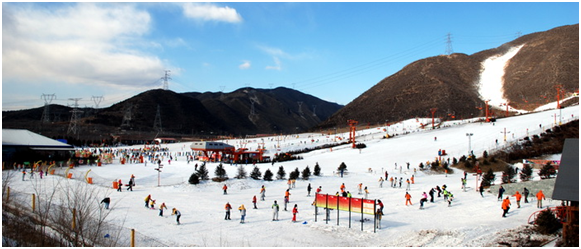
(508, 174)
(281, 173)
(526, 172)
(294, 174)
(488, 178)
(421, 166)
(547, 171)
(317, 170)
(202, 172)
(454, 161)
(220, 172)
(267, 175)
(467, 164)
(306, 173)
(360, 146)
(485, 154)
(547, 223)
(241, 173)
(255, 174)
(194, 179)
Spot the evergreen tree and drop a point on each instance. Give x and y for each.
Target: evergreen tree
(202, 172)
(281, 173)
(306, 173)
(317, 170)
(488, 178)
(241, 173)
(485, 154)
(547, 223)
(294, 174)
(508, 174)
(421, 166)
(194, 179)
(454, 161)
(547, 171)
(267, 175)
(255, 174)
(526, 172)
(220, 172)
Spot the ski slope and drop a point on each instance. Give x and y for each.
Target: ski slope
(472, 220)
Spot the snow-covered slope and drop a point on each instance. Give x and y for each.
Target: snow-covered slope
(472, 220)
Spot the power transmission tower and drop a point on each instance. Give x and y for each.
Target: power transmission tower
(449, 49)
(300, 108)
(314, 108)
(48, 98)
(127, 117)
(97, 100)
(157, 123)
(253, 99)
(166, 79)
(74, 116)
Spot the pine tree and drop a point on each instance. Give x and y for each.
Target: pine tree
(255, 174)
(281, 173)
(267, 175)
(547, 171)
(488, 178)
(306, 173)
(317, 170)
(508, 174)
(202, 172)
(547, 223)
(526, 172)
(241, 173)
(220, 172)
(194, 179)
(294, 174)
(485, 154)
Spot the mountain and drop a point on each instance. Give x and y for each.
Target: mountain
(449, 83)
(162, 113)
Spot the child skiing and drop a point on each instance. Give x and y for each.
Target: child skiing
(262, 193)
(161, 207)
(152, 203)
(275, 209)
(227, 207)
(106, 201)
(242, 213)
(424, 199)
(119, 185)
(408, 199)
(366, 192)
(225, 188)
(177, 213)
(295, 212)
(309, 190)
(254, 201)
(147, 201)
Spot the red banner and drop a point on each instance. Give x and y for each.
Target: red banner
(330, 201)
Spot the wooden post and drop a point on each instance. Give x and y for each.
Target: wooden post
(132, 237)
(33, 202)
(7, 194)
(74, 223)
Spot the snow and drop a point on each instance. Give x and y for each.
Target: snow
(491, 78)
(471, 220)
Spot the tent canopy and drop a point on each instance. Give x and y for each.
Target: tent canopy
(26, 138)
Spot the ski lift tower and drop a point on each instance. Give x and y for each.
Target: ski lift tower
(352, 128)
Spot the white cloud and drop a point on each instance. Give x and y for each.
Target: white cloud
(81, 43)
(277, 65)
(211, 12)
(244, 65)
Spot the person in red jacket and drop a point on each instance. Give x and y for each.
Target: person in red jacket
(225, 188)
(408, 199)
(254, 201)
(518, 196)
(228, 207)
(295, 212)
(505, 206)
(540, 198)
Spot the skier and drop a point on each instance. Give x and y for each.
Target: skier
(225, 188)
(359, 187)
(106, 201)
(540, 197)
(408, 199)
(450, 198)
(378, 214)
(289, 183)
(275, 209)
(23, 174)
(505, 206)
(287, 194)
(130, 187)
(445, 194)
(254, 201)
(518, 197)
(432, 191)
(342, 188)
(413, 179)
(319, 189)
(381, 182)
(285, 202)
(400, 180)
(161, 207)
(391, 181)
(481, 190)
(262, 193)
(119, 185)
(295, 212)
(147, 201)
(366, 192)
(152, 203)
(177, 213)
(526, 193)
(424, 199)
(294, 182)
(500, 192)
(380, 204)
(408, 186)
(242, 213)
(309, 189)
(439, 190)
(463, 184)
(386, 175)
(228, 207)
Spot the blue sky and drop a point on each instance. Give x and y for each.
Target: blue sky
(334, 51)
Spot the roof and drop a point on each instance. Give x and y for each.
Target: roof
(26, 138)
(567, 182)
(211, 146)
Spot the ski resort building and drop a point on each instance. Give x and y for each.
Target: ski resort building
(218, 151)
